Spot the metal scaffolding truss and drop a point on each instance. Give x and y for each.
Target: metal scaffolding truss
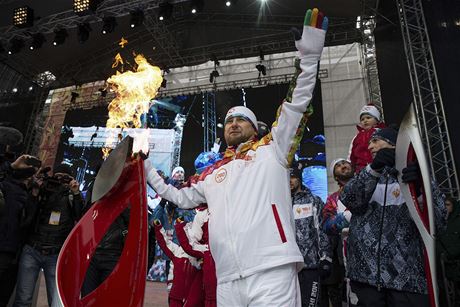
(252, 82)
(209, 120)
(68, 19)
(427, 97)
(178, 133)
(35, 124)
(369, 60)
(168, 54)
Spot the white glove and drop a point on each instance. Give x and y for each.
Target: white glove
(311, 42)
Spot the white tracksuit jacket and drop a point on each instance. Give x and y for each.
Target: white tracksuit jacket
(251, 224)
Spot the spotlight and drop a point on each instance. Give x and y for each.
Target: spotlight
(196, 6)
(31, 88)
(23, 17)
(137, 18)
(230, 2)
(165, 11)
(109, 24)
(37, 41)
(83, 7)
(15, 90)
(15, 46)
(59, 36)
(83, 32)
(262, 69)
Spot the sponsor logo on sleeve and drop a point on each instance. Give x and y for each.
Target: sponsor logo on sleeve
(221, 175)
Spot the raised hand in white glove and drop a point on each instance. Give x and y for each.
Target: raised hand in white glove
(311, 42)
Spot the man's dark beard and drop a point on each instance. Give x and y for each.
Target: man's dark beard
(344, 178)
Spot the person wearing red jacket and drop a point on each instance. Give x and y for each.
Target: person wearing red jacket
(369, 121)
(186, 290)
(193, 238)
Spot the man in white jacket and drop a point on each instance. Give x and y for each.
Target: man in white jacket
(251, 225)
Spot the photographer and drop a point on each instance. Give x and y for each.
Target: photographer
(59, 207)
(15, 203)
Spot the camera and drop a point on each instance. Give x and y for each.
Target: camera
(32, 161)
(53, 184)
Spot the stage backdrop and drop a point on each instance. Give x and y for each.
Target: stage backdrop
(68, 131)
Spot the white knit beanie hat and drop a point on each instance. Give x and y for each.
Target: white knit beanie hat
(177, 169)
(334, 163)
(371, 110)
(241, 111)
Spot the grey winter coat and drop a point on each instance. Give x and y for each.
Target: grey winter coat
(313, 242)
(384, 247)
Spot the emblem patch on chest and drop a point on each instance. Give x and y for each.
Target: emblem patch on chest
(221, 175)
(302, 211)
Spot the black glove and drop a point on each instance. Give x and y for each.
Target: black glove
(325, 268)
(384, 157)
(411, 173)
(143, 155)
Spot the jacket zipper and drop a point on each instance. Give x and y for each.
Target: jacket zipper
(379, 285)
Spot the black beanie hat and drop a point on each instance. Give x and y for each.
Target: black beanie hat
(388, 134)
(63, 168)
(296, 173)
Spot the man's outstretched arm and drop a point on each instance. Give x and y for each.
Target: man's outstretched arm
(287, 131)
(188, 197)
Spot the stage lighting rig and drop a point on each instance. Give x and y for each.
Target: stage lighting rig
(137, 18)
(59, 36)
(165, 11)
(16, 44)
(37, 41)
(262, 69)
(83, 32)
(73, 97)
(214, 74)
(84, 7)
(23, 17)
(109, 24)
(196, 6)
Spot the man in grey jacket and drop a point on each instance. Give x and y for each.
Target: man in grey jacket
(313, 242)
(385, 260)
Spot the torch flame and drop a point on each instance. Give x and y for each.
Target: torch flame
(133, 90)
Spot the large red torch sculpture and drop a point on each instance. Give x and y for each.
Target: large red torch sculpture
(120, 183)
(409, 148)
